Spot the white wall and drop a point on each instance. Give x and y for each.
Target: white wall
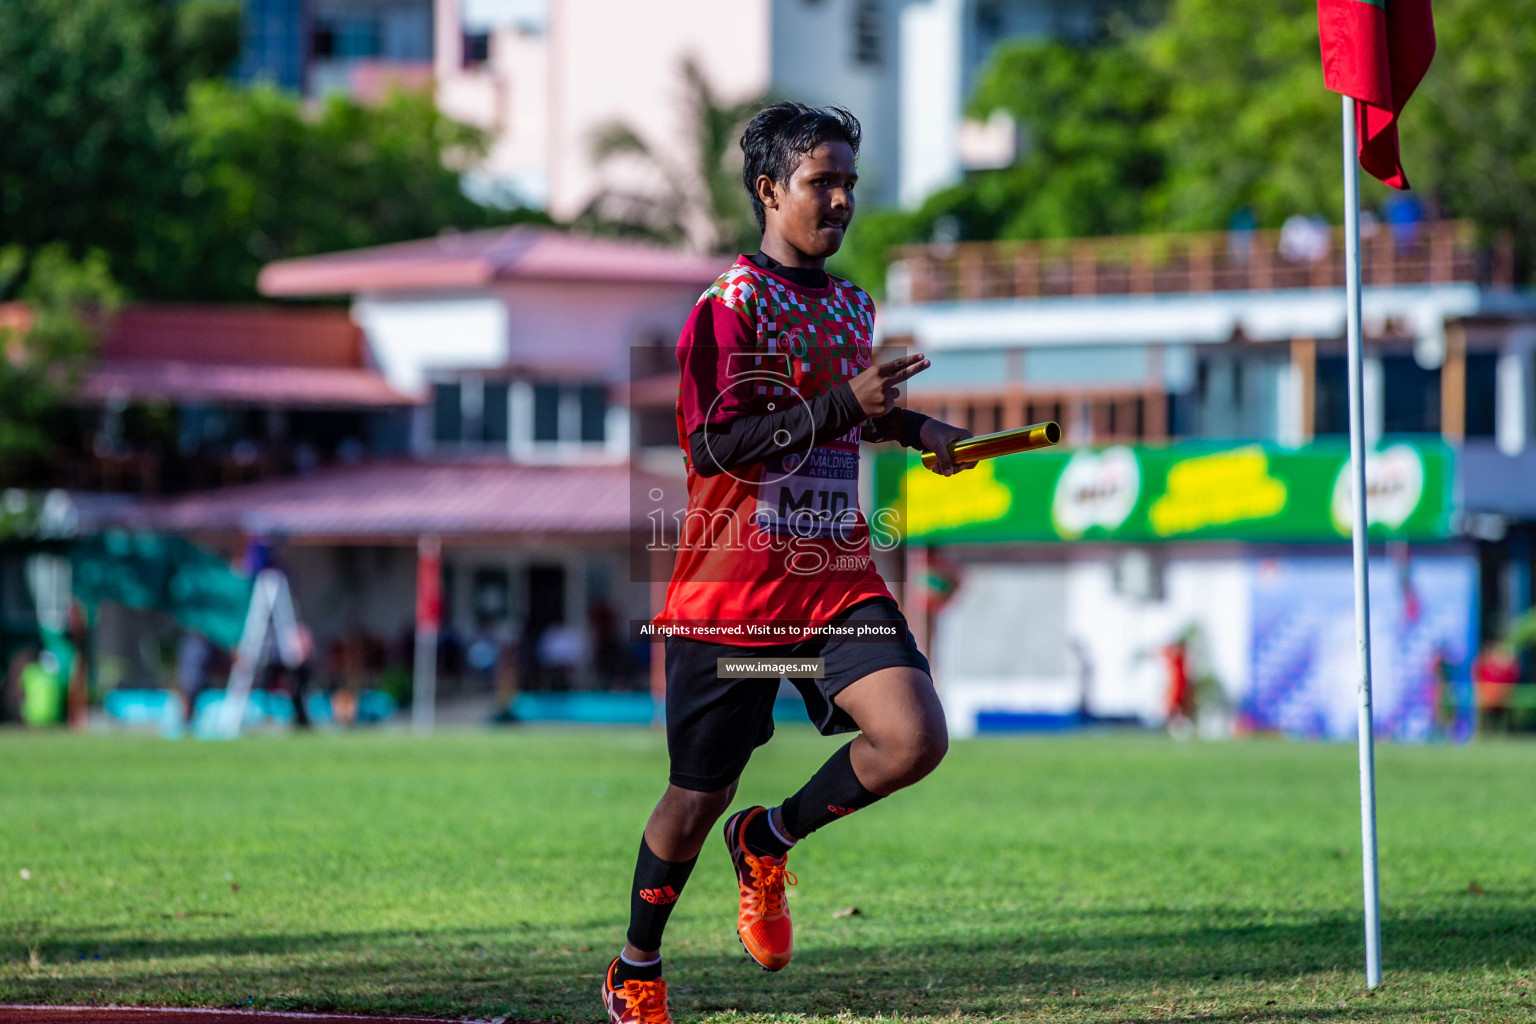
(569, 327)
(620, 62)
(1025, 636)
(931, 41)
(410, 336)
(812, 62)
(508, 98)
(592, 325)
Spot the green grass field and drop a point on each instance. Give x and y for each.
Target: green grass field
(481, 874)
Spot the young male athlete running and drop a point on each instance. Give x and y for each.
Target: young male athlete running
(777, 390)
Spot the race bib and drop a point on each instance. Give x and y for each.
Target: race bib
(810, 494)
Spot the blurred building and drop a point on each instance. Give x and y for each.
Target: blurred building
(545, 77)
(1199, 503)
(187, 397)
(357, 47)
(475, 396)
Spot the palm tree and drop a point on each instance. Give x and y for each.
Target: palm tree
(698, 200)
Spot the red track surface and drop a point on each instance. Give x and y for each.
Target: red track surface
(154, 1015)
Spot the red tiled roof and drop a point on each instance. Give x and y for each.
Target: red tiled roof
(237, 355)
(475, 259)
(235, 335)
(146, 380)
(396, 500)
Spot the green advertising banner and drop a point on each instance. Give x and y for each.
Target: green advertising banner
(1188, 491)
(144, 570)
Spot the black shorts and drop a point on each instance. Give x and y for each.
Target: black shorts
(714, 724)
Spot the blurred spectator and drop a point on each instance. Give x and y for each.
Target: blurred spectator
(610, 654)
(41, 690)
(295, 681)
(1496, 665)
(1404, 216)
(1240, 231)
(508, 678)
(559, 654)
(193, 656)
(76, 674)
(1082, 670)
(1495, 673)
(1369, 225)
(257, 556)
(353, 662)
(489, 650)
(13, 693)
(1305, 239)
(1181, 695)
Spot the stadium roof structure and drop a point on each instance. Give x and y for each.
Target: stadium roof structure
(400, 500)
(478, 259)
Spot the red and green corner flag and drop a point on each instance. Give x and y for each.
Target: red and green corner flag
(1377, 52)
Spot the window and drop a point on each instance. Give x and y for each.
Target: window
(346, 37)
(495, 412)
(477, 48)
(867, 34)
(546, 412)
(1482, 374)
(1410, 397)
(1330, 401)
(472, 412)
(594, 413)
(447, 413)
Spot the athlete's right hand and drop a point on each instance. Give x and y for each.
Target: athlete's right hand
(876, 388)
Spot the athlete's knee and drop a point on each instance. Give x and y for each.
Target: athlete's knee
(910, 754)
(925, 749)
(696, 811)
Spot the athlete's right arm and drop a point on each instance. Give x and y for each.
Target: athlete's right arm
(729, 427)
(750, 438)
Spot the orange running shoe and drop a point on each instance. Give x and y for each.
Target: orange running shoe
(762, 923)
(635, 1002)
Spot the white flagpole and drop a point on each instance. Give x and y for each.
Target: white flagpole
(1361, 551)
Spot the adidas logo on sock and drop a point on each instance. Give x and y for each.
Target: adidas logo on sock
(660, 897)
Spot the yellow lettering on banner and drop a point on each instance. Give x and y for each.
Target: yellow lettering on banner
(934, 502)
(1213, 490)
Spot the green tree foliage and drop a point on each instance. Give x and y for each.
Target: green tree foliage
(1217, 106)
(689, 193)
(122, 134)
(1248, 122)
(87, 96)
(44, 351)
(1469, 138)
(268, 179)
(1087, 166)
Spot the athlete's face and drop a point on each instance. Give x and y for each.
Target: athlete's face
(809, 214)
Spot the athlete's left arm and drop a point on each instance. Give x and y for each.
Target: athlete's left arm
(904, 425)
(924, 433)
(937, 436)
(912, 429)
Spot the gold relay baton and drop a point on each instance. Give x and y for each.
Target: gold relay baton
(1004, 442)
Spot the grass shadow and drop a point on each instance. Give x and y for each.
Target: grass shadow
(1121, 965)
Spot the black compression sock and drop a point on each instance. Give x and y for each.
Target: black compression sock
(833, 792)
(763, 839)
(658, 884)
(625, 971)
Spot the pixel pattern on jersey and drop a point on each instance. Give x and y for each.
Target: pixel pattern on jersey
(827, 338)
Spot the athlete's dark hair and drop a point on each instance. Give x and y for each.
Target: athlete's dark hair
(780, 135)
